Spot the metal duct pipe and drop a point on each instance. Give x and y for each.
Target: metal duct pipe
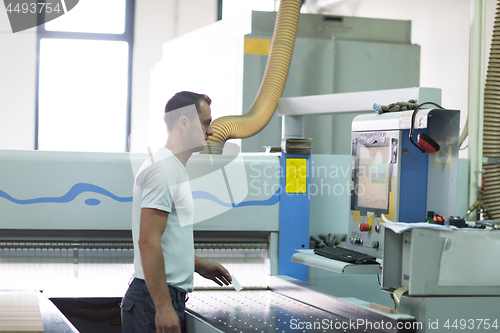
(491, 124)
(271, 88)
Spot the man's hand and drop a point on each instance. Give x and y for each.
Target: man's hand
(166, 320)
(212, 270)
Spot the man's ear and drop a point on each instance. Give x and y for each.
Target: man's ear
(183, 122)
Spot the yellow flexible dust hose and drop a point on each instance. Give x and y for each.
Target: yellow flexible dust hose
(271, 88)
(491, 123)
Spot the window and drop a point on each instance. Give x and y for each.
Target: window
(84, 78)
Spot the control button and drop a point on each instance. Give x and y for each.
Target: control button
(375, 244)
(364, 227)
(352, 240)
(377, 228)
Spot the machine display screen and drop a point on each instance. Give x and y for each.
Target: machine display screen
(372, 177)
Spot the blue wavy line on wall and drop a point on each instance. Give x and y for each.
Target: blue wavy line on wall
(75, 191)
(274, 199)
(80, 188)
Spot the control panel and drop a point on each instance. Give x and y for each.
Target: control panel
(367, 236)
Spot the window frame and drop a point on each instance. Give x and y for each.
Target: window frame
(127, 36)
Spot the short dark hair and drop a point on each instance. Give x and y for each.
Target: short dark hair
(185, 98)
(180, 100)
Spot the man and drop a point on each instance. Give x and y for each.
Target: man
(162, 219)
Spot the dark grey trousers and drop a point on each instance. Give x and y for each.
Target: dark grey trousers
(138, 309)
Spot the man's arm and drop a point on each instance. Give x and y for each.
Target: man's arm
(212, 270)
(152, 226)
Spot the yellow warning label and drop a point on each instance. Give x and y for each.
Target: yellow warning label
(257, 46)
(296, 175)
(356, 216)
(392, 202)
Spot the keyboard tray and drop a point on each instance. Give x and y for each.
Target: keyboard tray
(346, 255)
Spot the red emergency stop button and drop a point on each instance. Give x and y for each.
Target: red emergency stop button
(364, 227)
